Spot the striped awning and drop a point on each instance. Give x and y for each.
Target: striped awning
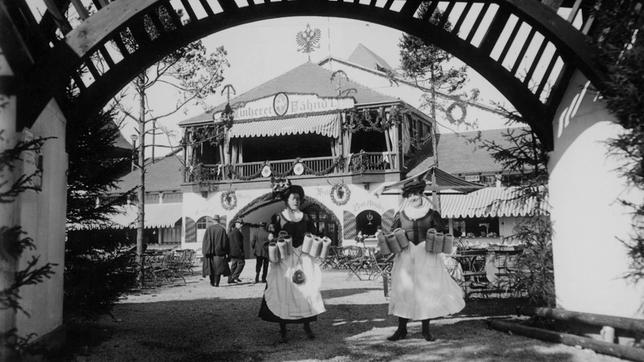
(445, 183)
(156, 216)
(489, 202)
(324, 124)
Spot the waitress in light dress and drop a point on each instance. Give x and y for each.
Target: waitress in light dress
(422, 288)
(292, 292)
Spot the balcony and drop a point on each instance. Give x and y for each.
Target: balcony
(363, 167)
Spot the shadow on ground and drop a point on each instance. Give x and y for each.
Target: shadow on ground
(229, 330)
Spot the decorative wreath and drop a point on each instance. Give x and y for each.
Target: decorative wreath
(340, 194)
(228, 200)
(448, 112)
(266, 171)
(298, 168)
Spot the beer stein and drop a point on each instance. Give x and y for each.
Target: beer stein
(316, 247)
(438, 243)
(273, 252)
(448, 244)
(326, 244)
(401, 237)
(281, 246)
(306, 243)
(430, 239)
(393, 244)
(289, 245)
(382, 244)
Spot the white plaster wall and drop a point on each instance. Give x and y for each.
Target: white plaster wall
(43, 218)
(588, 218)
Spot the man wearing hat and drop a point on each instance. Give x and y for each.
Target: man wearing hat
(260, 247)
(215, 249)
(237, 255)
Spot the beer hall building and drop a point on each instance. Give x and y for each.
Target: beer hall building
(337, 139)
(341, 141)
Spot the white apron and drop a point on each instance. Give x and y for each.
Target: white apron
(288, 300)
(421, 287)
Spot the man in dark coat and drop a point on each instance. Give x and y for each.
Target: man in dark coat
(215, 249)
(260, 247)
(237, 255)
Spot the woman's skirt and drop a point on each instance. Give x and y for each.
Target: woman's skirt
(286, 301)
(421, 287)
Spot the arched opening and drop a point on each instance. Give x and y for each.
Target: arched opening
(264, 207)
(202, 224)
(367, 222)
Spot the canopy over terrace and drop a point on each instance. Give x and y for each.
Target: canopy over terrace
(492, 202)
(444, 183)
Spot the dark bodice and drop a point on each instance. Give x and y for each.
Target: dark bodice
(417, 229)
(295, 229)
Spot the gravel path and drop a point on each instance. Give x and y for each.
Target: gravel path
(196, 322)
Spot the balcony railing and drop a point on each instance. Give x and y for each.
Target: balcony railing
(363, 162)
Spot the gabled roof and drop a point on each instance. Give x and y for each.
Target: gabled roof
(163, 175)
(308, 78)
(363, 56)
(462, 153)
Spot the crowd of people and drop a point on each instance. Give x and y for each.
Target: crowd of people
(422, 288)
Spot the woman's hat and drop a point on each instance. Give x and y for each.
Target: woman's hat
(414, 185)
(293, 189)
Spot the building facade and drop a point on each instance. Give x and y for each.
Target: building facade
(338, 139)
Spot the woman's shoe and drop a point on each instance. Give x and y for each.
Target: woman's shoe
(309, 332)
(428, 337)
(399, 334)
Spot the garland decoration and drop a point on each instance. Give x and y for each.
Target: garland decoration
(214, 135)
(199, 173)
(340, 194)
(373, 119)
(228, 200)
(231, 170)
(339, 162)
(448, 112)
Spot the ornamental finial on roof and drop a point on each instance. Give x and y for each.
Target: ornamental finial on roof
(308, 40)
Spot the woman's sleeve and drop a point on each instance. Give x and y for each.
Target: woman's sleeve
(276, 220)
(438, 222)
(310, 226)
(396, 223)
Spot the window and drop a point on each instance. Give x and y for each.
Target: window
(152, 198)
(479, 226)
(368, 222)
(203, 223)
(172, 197)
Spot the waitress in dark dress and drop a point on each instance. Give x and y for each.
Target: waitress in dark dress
(292, 292)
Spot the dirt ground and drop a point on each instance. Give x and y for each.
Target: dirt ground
(196, 322)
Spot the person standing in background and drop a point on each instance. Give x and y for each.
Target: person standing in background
(215, 249)
(260, 247)
(237, 255)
